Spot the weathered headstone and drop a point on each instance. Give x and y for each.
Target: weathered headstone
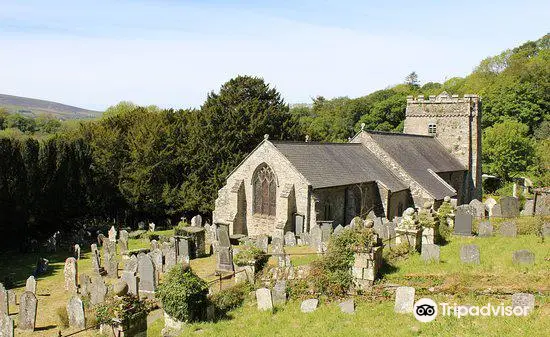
(509, 207)
(465, 209)
(523, 256)
(470, 254)
(154, 244)
(485, 229)
(489, 204)
(112, 234)
(277, 246)
(290, 239)
(71, 275)
(404, 300)
(132, 281)
(348, 306)
(496, 211)
(156, 257)
(75, 311)
(98, 290)
(120, 288)
(12, 297)
(27, 311)
(224, 259)
(528, 208)
(478, 208)
(169, 252)
(222, 232)
(131, 264)
(111, 265)
(316, 238)
(279, 293)
(6, 326)
(463, 224)
(100, 239)
(508, 229)
(30, 285)
(182, 249)
(299, 223)
(524, 300)
(196, 221)
(430, 252)
(85, 284)
(152, 226)
(123, 237)
(326, 231)
(263, 298)
(4, 301)
(76, 249)
(309, 305)
(262, 242)
(147, 274)
(338, 230)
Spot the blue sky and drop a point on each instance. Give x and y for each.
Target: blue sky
(172, 53)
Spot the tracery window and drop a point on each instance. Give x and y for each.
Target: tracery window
(265, 190)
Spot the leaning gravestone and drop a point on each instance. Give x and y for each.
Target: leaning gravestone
(523, 256)
(279, 293)
(6, 326)
(147, 277)
(85, 284)
(524, 300)
(509, 207)
(98, 290)
(508, 229)
(404, 300)
(71, 275)
(131, 264)
(430, 252)
(75, 311)
(27, 311)
(463, 224)
(30, 285)
(485, 229)
(290, 239)
(469, 254)
(309, 305)
(4, 301)
(132, 281)
(263, 298)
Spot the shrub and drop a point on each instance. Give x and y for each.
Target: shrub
(442, 213)
(183, 294)
(247, 254)
(62, 316)
(230, 298)
(121, 310)
(331, 275)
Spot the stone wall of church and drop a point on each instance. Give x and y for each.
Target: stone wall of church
(292, 195)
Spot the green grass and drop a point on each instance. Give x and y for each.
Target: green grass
(370, 319)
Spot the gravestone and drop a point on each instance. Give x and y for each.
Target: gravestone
(27, 311)
(42, 266)
(100, 239)
(290, 239)
(111, 265)
(98, 290)
(30, 285)
(279, 293)
(299, 223)
(465, 209)
(485, 229)
(132, 281)
(131, 264)
(546, 229)
(508, 229)
(463, 224)
(262, 242)
(4, 301)
(523, 256)
(528, 208)
(182, 249)
(509, 207)
(12, 297)
(430, 252)
(348, 306)
(123, 237)
(309, 305)
(152, 227)
(338, 230)
(478, 207)
(169, 252)
(85, 285)
(524, 300)
(156, 257)
(316, 236)
(196, 221)
(75, 312)
(222, 233)
(120, 288)
(112, 234)
(154, 244)
(76, 249)
(96, 259)
(224, 259)
(326, 231)
(263, 299)
(70, 273)
(6, 326)
(404, 300)
(277, 246)
(147, 274)
(489, 204)
(496, 211)
(470, 254)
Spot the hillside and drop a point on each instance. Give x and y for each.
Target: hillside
(31, 107)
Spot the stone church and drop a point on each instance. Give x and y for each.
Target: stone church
(292, 186)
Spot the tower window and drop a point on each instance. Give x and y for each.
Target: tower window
(432, 128)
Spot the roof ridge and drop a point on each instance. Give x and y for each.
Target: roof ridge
(297, 142)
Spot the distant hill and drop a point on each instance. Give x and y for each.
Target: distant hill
(31, 107)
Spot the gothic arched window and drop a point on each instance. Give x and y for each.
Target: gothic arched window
(264, 191)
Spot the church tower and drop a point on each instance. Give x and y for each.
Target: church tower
(456, 123)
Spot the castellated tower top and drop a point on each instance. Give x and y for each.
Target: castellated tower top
(442, 105)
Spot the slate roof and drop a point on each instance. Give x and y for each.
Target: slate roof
(337, 164)
(416, 154)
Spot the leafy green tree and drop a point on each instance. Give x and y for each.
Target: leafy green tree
(507, 149)
(3, 117)
(18, 121)
(412, 79)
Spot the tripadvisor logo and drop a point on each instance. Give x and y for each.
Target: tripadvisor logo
(425, 310)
